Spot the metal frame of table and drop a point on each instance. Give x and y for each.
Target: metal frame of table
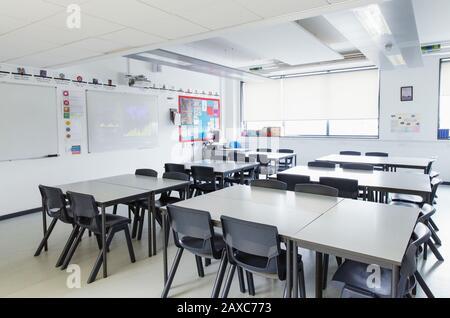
(275, 156)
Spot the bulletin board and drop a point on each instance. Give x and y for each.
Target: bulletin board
(199, 118)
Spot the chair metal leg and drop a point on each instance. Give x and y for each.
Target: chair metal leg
(301, 281)
(72, 249)
(423, 285)
(99, 261)
(129, 244)
(115, 209)
(141, 224)
(241, 279)
(45, 238)
(220, 275)
(250, 283)
(207, 262)
(99, 241)
(172, 273)
(135, 222)
(69, 243)
(433, 225)
(200, 271)
(435, 237)
(435, 251)
(425, 251)
(229, 280)
(326, 259)
(339, 260)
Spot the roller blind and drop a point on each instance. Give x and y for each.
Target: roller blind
(262, 101)
(345, 95)
(445, 78)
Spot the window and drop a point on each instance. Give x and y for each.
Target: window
(343, 103)
(444, 101)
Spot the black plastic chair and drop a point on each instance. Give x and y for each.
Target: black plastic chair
(174, 167)
(87, 217)
(193, 231)
(321, 164)
(357, 166)
(205, 180)
(55, 206)
(263, 149)
(292, 180)
(269, 184)
(350, 153)
(348, 188)
(164, 200)
(318, 189)
(417, 199)
(377, 154)
(256, 248)
(134, 207)
(285, 164)
(355, 275)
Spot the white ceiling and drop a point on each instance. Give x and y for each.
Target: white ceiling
(34, 32)
(433, 20)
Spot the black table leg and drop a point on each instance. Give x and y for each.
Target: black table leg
(319, 273)
(104, 247)
(44, 226)
(288, 268)
(149, 225)
(153, 208)
(164, 227)
(294, 270)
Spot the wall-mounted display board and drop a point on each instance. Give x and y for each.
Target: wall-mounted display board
(199, 118)
(120, 121)
(28, 121)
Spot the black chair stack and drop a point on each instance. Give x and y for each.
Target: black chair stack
(348, 188)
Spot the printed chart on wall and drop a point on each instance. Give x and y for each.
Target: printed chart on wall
(199, 118)
(74, 111)
(405, 123)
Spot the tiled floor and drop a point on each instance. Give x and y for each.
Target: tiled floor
(22, 275)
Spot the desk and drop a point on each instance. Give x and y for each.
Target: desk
(105, 195)
(386, 162)
(275, 156)
(383, 181)
(368, 232)
(153, 186)
(223, 168)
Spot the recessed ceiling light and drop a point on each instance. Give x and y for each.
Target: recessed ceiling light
(373, 20)
(165, 59)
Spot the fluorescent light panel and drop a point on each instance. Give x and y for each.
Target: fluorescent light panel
(373, 20)
(396, 60)
(165, 59)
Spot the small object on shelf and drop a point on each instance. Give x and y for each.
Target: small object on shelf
(110, 82)
(62, 76)
(21, 70)
(175, 117)
(79, 78)
(43, 73)
(95, 81)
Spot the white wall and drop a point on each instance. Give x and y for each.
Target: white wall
(19, 179)
(426, 100)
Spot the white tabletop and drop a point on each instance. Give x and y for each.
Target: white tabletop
(221, 166)
(104, 193)
(405, 182)
(144, 182)
(272, 155)
(363, 231)
(288, 211)
(408, 162)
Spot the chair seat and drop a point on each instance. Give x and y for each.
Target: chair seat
(112, 220)
(259, 264)
(56, 213)
(410, 198)
(198, 246)
(207, 187)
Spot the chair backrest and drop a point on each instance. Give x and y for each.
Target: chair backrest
(292, 180)
(203, 174)
(270, 184)
(435, 183)
(348, 188)
(377, 154)
(174, 167)
(357, 166)
(194, 225)
(263, 150)
(252, 245)
(428, 168)
(350, 153)
(318, 189)
(321, 164)
(146, 173)
(285, 151)
(262, 159)
(53, 201)
(176, 176)
(84, 210)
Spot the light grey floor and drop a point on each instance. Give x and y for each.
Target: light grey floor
(22, 275)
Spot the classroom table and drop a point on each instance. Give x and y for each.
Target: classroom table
(105, 195)
(274, 156)
(223, 168)
(153, 186)
(383, 181)
(367, 232)
(360, 230)
(287, 210)
(386, 162)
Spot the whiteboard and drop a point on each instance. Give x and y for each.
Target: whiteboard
(28, 121)
(119, 121)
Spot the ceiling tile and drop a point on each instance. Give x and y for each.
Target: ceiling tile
(131, 37)
(142, 17)
(65, 3)
(8, 24)
(29, 10)
(44, 59)
(13, 46)
(99, 45)
(272, 8)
